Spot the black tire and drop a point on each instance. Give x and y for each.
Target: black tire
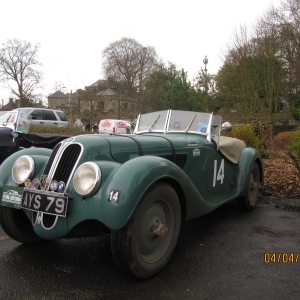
(248, 202)
(136, 247)
(15, 224)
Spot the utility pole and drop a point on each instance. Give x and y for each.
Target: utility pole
(70, 107)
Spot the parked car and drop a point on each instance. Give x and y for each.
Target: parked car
(114, 126)
(44, 117)
(2, 112)
(14, 136)
(138, 187)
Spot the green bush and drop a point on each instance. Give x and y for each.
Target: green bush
(296, 113)
(247, 134)
(294, 147)
(61, 130)
(283, 140)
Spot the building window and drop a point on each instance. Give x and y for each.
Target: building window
(101, 105)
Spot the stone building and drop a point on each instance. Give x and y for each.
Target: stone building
(12, 104)
(97, 101)
(58, 100)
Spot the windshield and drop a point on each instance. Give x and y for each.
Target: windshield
(9, 118)
(180, 121)
(15, 121)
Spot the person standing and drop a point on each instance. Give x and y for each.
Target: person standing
(95, 128)
(78, 124)
(87, 126)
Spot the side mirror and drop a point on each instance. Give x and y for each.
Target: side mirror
(14, 135)
(226, 127)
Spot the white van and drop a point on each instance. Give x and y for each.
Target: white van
(114, 126)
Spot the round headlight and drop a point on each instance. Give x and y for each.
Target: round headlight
(87, 179)
(23, 169)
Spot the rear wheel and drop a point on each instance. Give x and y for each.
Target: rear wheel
(15, 224)
(248, 202)
(145, 245)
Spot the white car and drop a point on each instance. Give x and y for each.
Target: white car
(114, 126)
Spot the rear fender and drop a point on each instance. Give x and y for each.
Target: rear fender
(247, 159)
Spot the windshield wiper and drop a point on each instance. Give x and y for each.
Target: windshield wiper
(153, 123)
(187, 129)
(5, 122)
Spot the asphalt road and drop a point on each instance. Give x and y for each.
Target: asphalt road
(218, 256)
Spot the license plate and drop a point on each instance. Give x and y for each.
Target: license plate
(46, 202)
(11, 197)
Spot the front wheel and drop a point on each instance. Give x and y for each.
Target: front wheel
(15, 224)
(248, 202)
(145, 245)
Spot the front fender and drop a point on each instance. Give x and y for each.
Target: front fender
(39, 155)
(132, 180)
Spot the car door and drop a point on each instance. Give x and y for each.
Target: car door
(35, 117)
(213, 174)
(50, 118)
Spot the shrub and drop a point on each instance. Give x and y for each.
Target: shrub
(55, 130)
(283, 139)
(294, 149)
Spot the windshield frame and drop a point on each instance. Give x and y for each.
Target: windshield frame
(178, 121)
(20, 123)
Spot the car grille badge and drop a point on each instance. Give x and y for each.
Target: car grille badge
(44, 182)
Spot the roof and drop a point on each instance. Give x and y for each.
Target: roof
(110, 92)
(100, 82)
(9, 106)
(58, 94)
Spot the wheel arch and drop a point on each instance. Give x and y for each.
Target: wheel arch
(180, 193)
(260, 166)
(135, 186)
(248, 157)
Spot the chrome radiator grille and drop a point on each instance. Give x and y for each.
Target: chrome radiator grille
(51, 159)
(65, 159)
(66, 163)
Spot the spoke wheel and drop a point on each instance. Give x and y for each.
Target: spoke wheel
(144, 246)
(248, 202)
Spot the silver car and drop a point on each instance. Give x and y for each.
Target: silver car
(43, 117)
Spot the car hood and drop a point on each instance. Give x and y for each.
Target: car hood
(125, 147)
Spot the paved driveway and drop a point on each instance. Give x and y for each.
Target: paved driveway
(219, 256)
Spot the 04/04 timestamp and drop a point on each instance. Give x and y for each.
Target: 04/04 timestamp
(281, 258)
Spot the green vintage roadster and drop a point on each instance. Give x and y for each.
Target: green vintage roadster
(137, 187)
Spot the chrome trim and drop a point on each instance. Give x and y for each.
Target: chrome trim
(54, 223)
(56, 161)
(31, 168)
(97, 182)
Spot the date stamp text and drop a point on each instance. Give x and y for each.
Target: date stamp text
(281, 258)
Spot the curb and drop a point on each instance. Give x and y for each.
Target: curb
(280, 201)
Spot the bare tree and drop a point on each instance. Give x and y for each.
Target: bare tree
(59, 86)
(18, 60)
(127, 64)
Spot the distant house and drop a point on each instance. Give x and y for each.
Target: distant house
(95, 102)
(12, 104)
(58, 100)
(115, 104)
(100, 84)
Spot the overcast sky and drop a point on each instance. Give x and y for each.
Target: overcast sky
(72, 34)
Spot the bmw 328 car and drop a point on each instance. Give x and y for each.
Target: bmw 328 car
(138, 188)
